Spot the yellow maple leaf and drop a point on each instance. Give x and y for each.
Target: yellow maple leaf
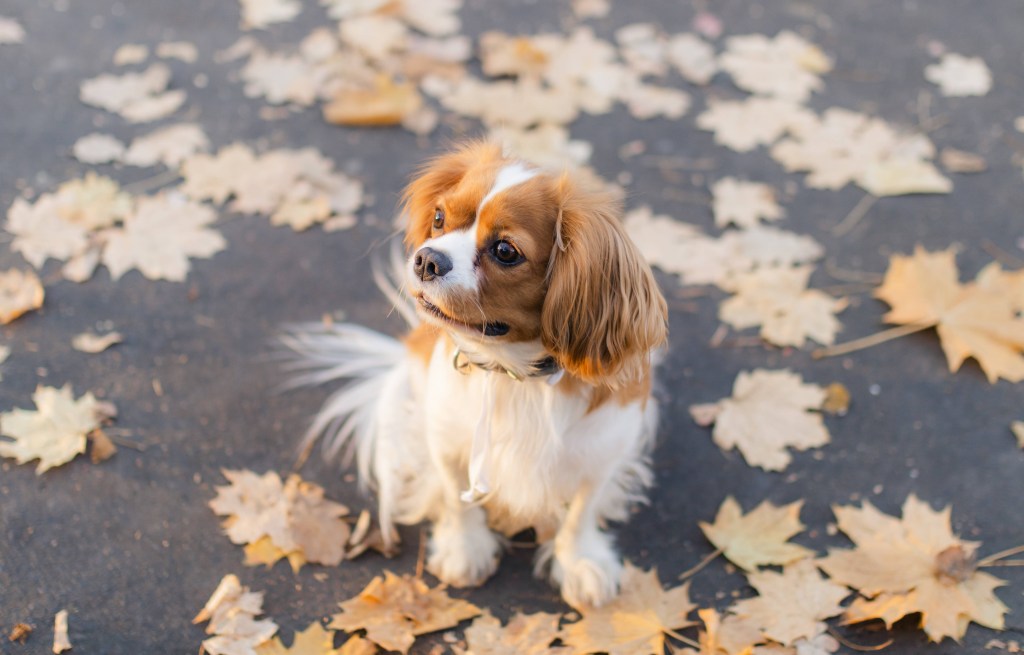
(726, 635)
(315, 640)
(793, 604)
(635, 622)
(395, 610)
(759, 537)
(55, 432)
(525, 634)
(231, 611)
(913, 565)
(972, 320)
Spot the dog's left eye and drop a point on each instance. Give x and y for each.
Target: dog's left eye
(438, 218)
(506, 253)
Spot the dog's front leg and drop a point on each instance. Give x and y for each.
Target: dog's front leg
(463, 552)
(584, 561)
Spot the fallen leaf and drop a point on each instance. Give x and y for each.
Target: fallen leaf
(903, 176)
(160, 237)
(387, 103)
(231, 612)
(837, 399)
(778, 300)
(913, 565)
(102, 447)
(395, 610)
(693, 57)
(314, 640)
(547, 146)
(61, 642)
(180, 50)
(97, 148)
(54, 432)
(259, 14)
(634, 623)
(40, 233)
(1017, 427)
(525, 634)
(154, 108)
(793, 604)
(11, 31)
(19, 633)
(92, 202)
(960, 161)
(20, 292)
(758, 538)
(280, 79)
(138, 97)
(644, 48)
(746, 124)
(375, 36)
(786, 66)
(743, 203)
(169, 145)
(294, 515)
(356, 645)
(591, 8)
(770, 411)
(131, 53)
(89, 342)
(726, 635)
(972, 320)
(646, 101)
(958, 76)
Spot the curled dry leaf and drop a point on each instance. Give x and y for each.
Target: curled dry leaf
(634, 623)
(793, 604)
(786, 66)
(20, 292)
(758, 538)
(294, 516)
(778, 300)
(913, 565)
(743, 125)
(957, 75)
(61, 642)
(138, 97)
(55, 432)
(98, 148)
(978, 319)
(89, 342)
(743, 203)
(231, 612)
(525, 634)
(395, 610)
(11, 31)
(769, 412)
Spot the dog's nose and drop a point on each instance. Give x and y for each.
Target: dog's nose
(430, 263)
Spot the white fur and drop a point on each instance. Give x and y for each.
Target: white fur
(460, 246)
(508, 177)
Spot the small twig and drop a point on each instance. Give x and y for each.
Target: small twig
(719, 336)
(1003, 554)
(859, 211)
(1001, 255)
(846, 289)
(849, 275)
(694, 570)
(421, 556)
(1006, 562)
(678, 637)
(303, 455)
(127, 443)
(864, 649)
(153, 182)
(873, 340)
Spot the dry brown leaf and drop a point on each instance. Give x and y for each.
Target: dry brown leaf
(770, 411)
(693, 57)
(837, 399)
(525, 634)
(19, 633)
(314, 640)
(778, 300)
(726, 635)
(958, 76)
(294, 515)
(20, 292)
(11, 31)
(102, 447)
(97, 148)
(758, 538)
(634, 623)
(138, 97)
(54, 432)
(913, 565)
(88, 342)
(395, 610)
(845, 146)
(160, 237)
(231, 612)
(786, 66)
(387, 103)
(61, 642)
(169, 145)
(746, 124)
(960, 161)
(743, 203)
(973, 320)
(259, 14)
(793, 604)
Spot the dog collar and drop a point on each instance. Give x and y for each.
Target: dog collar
(546, 367)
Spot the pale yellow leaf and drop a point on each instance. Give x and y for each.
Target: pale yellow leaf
(693, 57)
(314, 640)
(786, 66)
(93, 202)
(758, 538)
(743, 203)
(259, 14)
(97, 148)
(131, 53)
(180, 50)
(20, 292)
(743, 125)
(525, 634)
(957, 75)
(40, 232)
(169, 145)
(231, 612)
(1017, 427)
(54, 432)
(61, 642)
(89, 342)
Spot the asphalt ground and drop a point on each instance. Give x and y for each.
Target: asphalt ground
(130, 548)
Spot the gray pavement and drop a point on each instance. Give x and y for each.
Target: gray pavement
(130, 548)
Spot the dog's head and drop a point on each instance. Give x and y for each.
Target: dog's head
(504, 251)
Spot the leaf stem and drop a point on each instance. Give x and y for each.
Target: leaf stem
(1003, 554)
(873, 340)
(694, 570)
(865, 649)
(859, 211)
(678, 637)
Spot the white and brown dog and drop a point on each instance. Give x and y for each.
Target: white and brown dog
(521, 397)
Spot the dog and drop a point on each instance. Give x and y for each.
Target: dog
(521, 396)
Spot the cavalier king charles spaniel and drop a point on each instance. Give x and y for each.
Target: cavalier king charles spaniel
(521, 396)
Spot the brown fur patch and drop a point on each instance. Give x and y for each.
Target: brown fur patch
(421, 341)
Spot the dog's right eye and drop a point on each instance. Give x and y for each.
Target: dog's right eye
(438, 218)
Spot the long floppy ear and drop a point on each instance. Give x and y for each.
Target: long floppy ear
(603, 312)
(434, 178)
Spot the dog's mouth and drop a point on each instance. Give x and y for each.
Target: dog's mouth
(495, 329)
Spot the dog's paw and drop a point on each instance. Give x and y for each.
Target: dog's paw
(465, 556)
(589, 576)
